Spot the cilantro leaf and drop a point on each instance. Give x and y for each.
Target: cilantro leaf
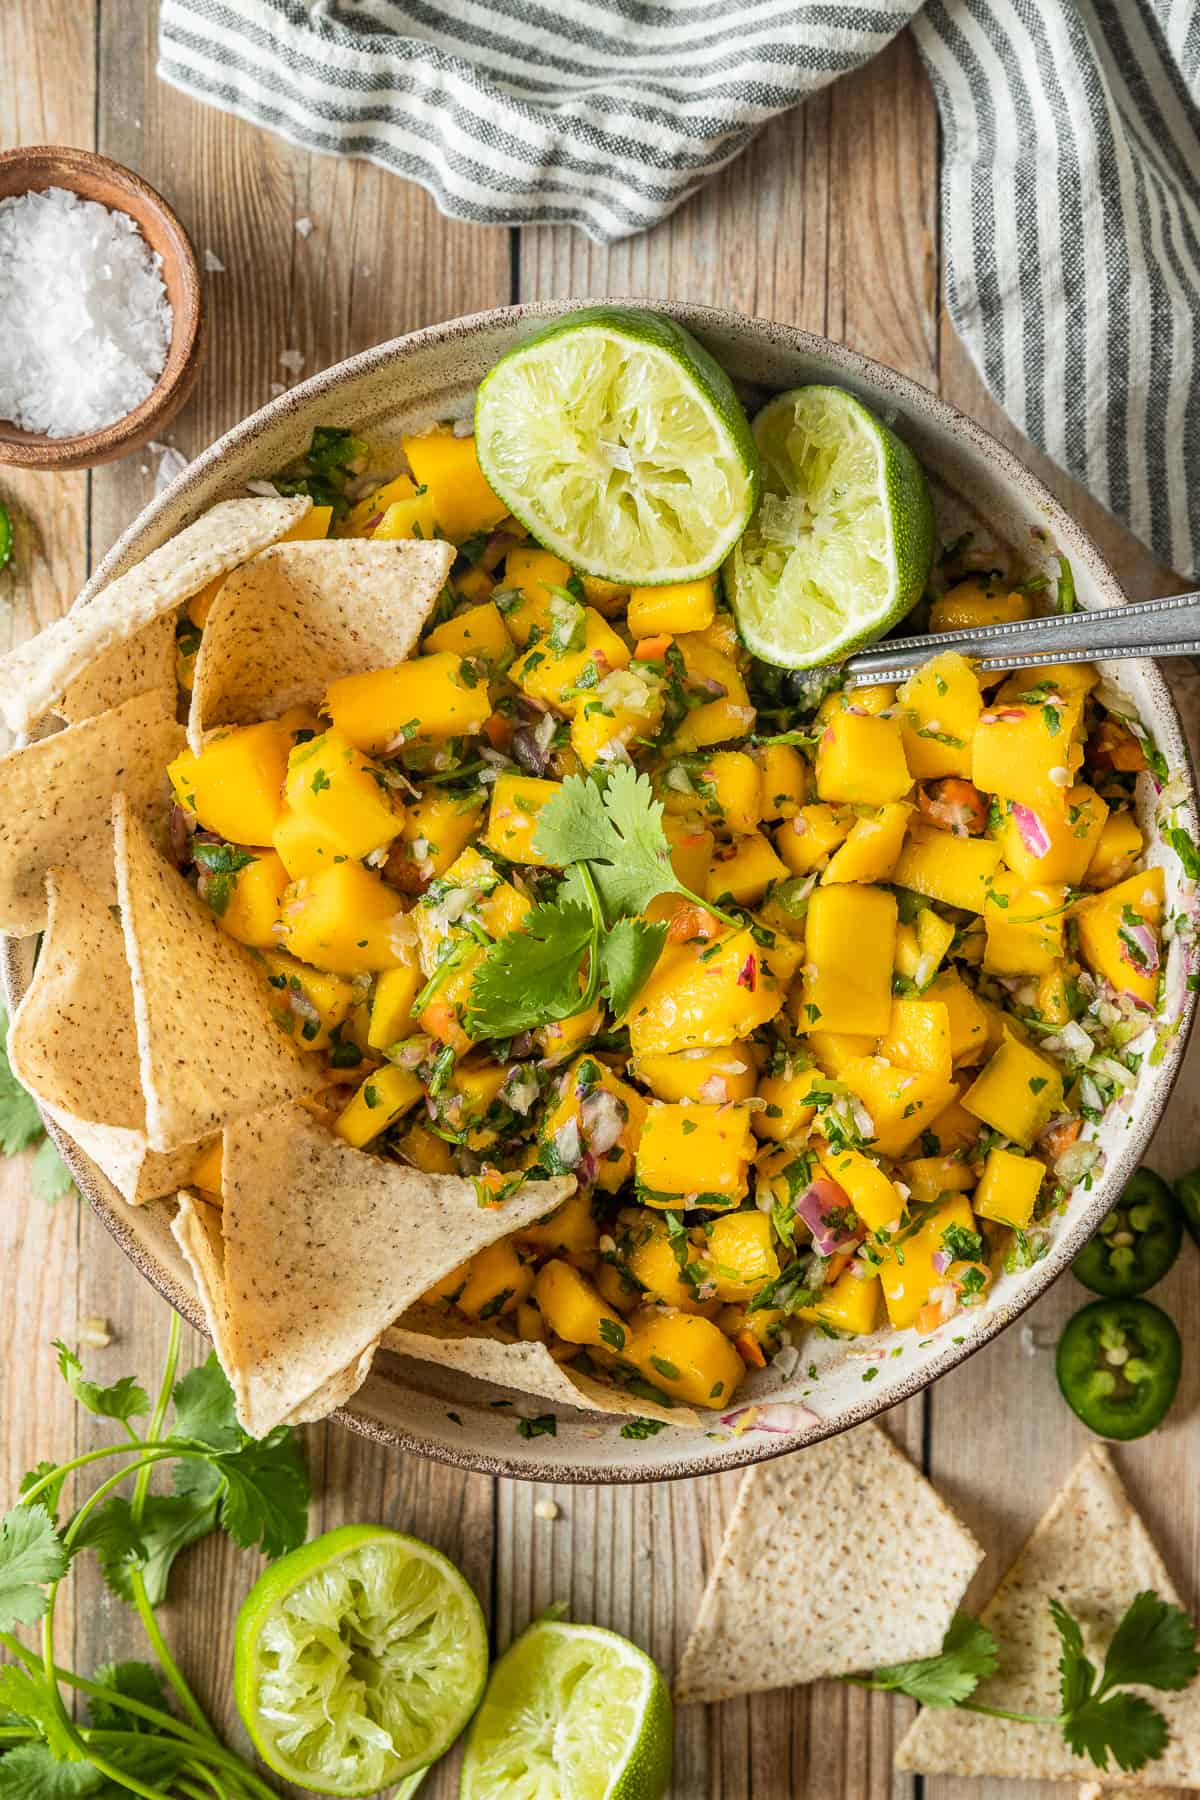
(28, 1695)
(628, 954)
(1184, 846)
(1077, 1676)
(1124, 1725)
(619, 834)
(1154, 1646)
(125, 1399)
(204, 1407)
(263, 1491)
(20, 1120)
(967, 1655)
(30, 1555)
(33, 1772)
(138, 1681)
(49, 1174)
(49, 1496)
(532, 975)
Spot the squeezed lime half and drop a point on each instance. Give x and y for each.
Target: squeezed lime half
(619, 442)
(841, 544)
(358, 1659)
(571, 1712)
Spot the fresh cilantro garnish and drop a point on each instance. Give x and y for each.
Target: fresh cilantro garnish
(20, 1120)
(1154, 1645)
(1065, 602)
(257, 1491)
(1184, 845)
(49, 1175)
(642, 1428)
(545, 1425)
(219, 865)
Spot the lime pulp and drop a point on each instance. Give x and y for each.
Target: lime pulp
(358, 1659)
(619, 442)
(841, 544)
(571, 1712)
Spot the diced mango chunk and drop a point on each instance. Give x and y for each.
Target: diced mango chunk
(740, 1254)
(712, 1076)
(677, 606)
(919, 1036)
(694, 1154)
(344, 919)
(448, 467)
(332, 788)
(704, 994)
(391, 1005)
(479, 632)
(1053, 843)
(957, 871)
(1009, 1187)
(424, 700)
(874, 1198)
(578, 651)
(377, 1104)
(1119, 845)
(976, 602)
(574, 1310)
(497, 1280)
(849, 943)
(849, 1304)
(860, 760)
(810, 835)
(1017, 1092)
(1026, 753)
(1119, 934)
(234, 787)
(785, 781)
(686, 1356)
(745, 872)
(513, 815)
(311, 1005)
(567, 1127)
(901, 1102)
(251, 912)
(909, 1273)
(871, 851)
(940, 707)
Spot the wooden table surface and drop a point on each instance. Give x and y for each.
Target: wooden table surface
(830, 221)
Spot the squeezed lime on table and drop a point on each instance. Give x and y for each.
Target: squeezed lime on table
(358, 1659)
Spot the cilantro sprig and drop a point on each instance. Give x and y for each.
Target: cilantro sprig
(1154, 1645)
(256, 1491)
(590, 940)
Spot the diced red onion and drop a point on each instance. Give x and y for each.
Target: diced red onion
(775, 1415)
(816, 1205)
(568, 1145)
(1034, 835)
(713, 1090)
(748, 973)
(180, 828)
(1002, 716)
(1147, 943)
(528, 752)
(941, 1260)
(717, 689)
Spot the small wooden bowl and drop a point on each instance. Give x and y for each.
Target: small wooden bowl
(93, 177)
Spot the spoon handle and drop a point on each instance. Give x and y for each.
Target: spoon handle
(1169, 627)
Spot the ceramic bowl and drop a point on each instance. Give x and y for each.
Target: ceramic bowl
(92, 177)
(977, 484)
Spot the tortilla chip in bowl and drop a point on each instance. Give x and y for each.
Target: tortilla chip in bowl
(483, 1398)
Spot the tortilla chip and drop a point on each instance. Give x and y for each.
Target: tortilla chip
(35, 676)
(838, 1558)
(1092, 1553)
(144, 665)
(209, 1049)
(300, 616)
(56, 798)
(428, 1336)
(323, 1247)
(73, 1044)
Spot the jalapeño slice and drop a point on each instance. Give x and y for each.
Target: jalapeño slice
(1118, 1366)
(1137, 1242)
(1188, 1190)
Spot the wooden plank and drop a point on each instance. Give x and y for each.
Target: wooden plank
(830, 225)
(378, 262)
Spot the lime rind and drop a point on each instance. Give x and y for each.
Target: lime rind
(841, 544)
(619, 442)
(359, 1659)
(571, 1712)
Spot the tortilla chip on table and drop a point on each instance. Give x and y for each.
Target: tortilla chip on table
(838, 1558)
(209, 1047)
(36, 675)
(301, 615)
(73, 1043)
(1091, 1552)
(321, 1248)
(56, 799)
(144, 664)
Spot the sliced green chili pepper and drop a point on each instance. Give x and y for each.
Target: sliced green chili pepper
(5, 535)
(1137, 1242)
(1118, 1366)
(1188, 1190)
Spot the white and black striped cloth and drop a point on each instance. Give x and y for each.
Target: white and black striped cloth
(1070, 182)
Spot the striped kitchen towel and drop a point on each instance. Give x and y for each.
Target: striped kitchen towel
(1070, 175)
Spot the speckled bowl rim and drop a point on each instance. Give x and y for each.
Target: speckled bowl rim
(911, 398)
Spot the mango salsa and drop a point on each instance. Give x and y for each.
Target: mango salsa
(788, 990)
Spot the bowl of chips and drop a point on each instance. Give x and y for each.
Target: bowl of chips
(144, 1041)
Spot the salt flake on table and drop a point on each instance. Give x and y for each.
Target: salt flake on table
(78, 354)
(305, 228)
(213, 264)
(171, 462)
(292, 360)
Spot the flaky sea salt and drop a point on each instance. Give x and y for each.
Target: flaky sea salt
(85, 324)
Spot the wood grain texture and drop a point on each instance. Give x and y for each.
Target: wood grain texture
(830, 222)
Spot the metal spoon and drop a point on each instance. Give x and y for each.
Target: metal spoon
(1168, 627)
